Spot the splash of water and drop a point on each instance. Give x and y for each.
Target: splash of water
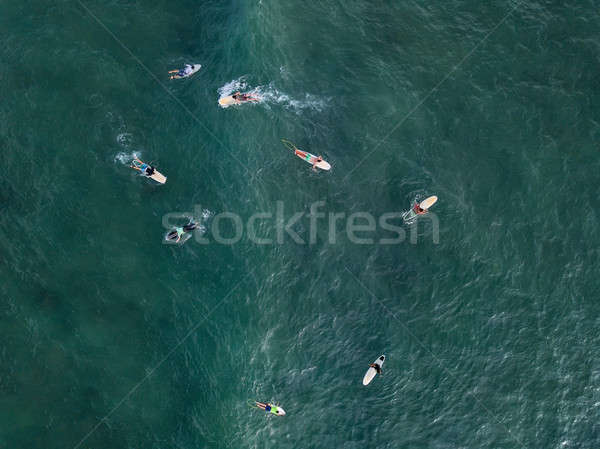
(124, 139)
(126, 158)
(270, 94)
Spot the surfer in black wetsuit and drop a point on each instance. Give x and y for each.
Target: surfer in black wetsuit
(176, 234)
(182, 73)
(149, 170)
(375, 367)
(190, 227)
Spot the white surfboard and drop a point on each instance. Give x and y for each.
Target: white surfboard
(195, 68)
(158, 177)
(371, 372)
(428, 202)
(227, 101)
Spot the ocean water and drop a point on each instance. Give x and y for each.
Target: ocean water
(113, 339)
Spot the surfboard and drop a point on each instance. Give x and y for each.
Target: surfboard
(158, 177)
(371, 373)
(428, 202)
(227, 101)
(195, 68)
(141, 167)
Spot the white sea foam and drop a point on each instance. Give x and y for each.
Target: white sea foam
(126, 158)
(270, 94)
(124, 139)
(206, 214)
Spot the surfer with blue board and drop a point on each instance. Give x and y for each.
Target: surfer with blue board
(269, 408)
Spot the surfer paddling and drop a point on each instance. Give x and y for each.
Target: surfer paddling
(419, 209)
(315, 161)
(269, 408)
(242, 98)
(182, 73)
(145, 169)
(176, 234)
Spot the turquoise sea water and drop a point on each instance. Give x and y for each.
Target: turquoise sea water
(111, 339)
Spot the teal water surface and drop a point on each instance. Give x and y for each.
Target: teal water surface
(112, 339)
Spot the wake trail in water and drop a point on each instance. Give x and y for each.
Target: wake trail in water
(269, 94)
(125, 141)
(126, 158)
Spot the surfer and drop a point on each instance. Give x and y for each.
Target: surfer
(176, 234)
(241, 98)
(146, 169)
(316, 161)
(375, 367)
(181, 73)
(270, 408)
(417, 209)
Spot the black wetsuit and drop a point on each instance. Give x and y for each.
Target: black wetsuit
(190, 227)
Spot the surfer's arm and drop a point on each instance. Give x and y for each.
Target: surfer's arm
(173, 71)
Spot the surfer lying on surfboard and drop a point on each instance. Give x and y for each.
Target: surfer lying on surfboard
(315, 161)
(242, 98)
(419, 209)
(270, 408)
(176, 234)
(145, 169)
(185, 72)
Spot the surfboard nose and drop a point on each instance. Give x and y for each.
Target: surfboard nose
(281, 411)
